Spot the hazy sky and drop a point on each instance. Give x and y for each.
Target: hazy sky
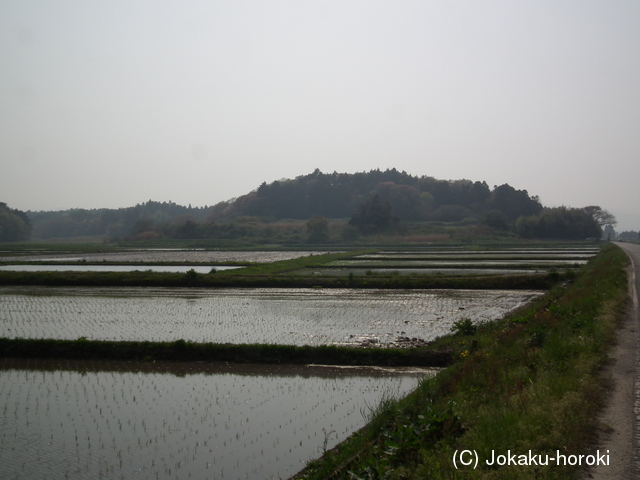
(113, 103)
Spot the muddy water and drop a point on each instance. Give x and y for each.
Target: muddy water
(283, 316)
(92, 420)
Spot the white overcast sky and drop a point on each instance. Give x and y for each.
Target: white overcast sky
(113, 103)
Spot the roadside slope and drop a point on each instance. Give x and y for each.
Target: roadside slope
(622, 414)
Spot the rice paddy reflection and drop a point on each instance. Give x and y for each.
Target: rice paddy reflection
(91, 420)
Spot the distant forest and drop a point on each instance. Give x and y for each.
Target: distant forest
(113, 224)
(367, 203)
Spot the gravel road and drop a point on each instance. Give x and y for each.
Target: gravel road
(622, 414)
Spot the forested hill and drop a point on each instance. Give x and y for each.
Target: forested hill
(333, 195)
(338, 195)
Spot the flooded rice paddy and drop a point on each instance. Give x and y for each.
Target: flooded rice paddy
(93, 420)
(450, 261)
(391, 271)
(113, 268)
(159, 256)
(105, 420)
(518, 253)
(459, 263)
(282, 316)
(447, 261)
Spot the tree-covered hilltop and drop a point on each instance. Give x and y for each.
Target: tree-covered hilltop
(410, 198)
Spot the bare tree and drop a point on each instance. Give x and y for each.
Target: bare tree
(601, 216)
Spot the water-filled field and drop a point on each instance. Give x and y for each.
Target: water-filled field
(395, 270)
(112, 268)
(94, 420)
(570, 253)
(283, 316)
(451, 261)
(460, 263)
(159, 256)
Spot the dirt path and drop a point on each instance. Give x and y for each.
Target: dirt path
(622, 414)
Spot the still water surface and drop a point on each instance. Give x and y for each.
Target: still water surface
(95, 420)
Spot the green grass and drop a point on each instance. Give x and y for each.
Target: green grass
(532, 381)
(260, 278)
(284, 266)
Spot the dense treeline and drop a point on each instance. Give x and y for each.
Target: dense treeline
(334, 195)
(359, 204)
(112, 223)
(559, 223)
(629, 235)
(14, 224)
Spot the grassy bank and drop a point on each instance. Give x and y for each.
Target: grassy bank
(183, 351)
(223, 280)
(531, 382)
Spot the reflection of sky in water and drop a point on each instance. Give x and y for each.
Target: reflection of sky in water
(89, 423)
(284, 316)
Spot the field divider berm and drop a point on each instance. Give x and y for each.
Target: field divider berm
(184, 351)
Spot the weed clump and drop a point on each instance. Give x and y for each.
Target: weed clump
(464, 327)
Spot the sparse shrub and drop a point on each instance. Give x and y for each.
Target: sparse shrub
(553, 275)
(464, 327)
(191, 276)
(536, 339)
